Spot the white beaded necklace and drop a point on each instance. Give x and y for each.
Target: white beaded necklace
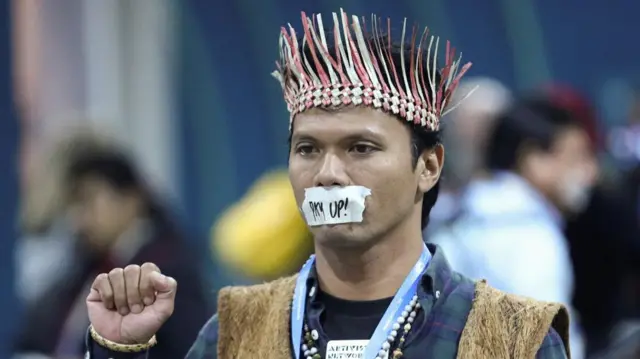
(404, 322)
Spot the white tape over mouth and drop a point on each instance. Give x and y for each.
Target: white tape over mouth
(334, 205)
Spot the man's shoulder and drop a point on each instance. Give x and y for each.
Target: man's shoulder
(255, 302)
(256, 313)
(515, 301)
(459, 293)
(209, 332)
(206, 345)
(552, 341)
(256, 291)
(523, 319)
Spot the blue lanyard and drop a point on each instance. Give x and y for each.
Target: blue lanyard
(400, 301)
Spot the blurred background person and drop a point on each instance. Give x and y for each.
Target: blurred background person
(510, 231)
(606, 231)
(114, 220)
(624, 145)
(42, 255)
(466, 131)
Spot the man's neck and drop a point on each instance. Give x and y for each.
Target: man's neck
(367, 274)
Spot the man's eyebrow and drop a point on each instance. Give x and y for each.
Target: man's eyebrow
(363, 135)
(353, 136)
(302, 137)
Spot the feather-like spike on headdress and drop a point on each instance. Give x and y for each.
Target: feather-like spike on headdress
(360, 70)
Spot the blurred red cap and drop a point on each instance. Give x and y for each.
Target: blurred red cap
(579, 105)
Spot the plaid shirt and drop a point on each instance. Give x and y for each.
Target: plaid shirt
(445, 295)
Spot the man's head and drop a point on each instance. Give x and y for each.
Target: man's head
(547, 146)
(470, 125)
(45, 187)
(106, 196)
(352, 132)
(370, 148)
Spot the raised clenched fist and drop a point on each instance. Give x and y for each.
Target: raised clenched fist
(128, 306)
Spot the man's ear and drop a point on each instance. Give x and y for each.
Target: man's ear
(430, 167)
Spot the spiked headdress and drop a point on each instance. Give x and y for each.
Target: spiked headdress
(363, 70)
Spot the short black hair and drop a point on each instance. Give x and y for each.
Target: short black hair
(535, 122)
(422, 139)
(118, 169)
(115, 168)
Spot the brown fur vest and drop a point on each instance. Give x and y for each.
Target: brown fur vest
(254, 323)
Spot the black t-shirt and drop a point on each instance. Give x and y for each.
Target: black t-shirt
(349, 320)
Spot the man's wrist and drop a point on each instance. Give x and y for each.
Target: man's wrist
(122, 348)
(96, 351)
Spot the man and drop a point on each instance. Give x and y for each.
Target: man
(541, 166)
(116, 220)
(364, 165)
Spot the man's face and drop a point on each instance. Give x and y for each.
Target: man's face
(467, 135)
(365, 147)
(578, 169)
(100, 213)
(570, 170)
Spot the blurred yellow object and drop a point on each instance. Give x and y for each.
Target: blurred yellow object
(264, 235)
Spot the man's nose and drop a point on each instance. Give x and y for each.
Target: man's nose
(331, 172)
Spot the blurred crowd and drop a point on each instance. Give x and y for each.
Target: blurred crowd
(539, 195)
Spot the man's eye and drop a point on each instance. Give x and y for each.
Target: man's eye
(305, 149)
(362, 149)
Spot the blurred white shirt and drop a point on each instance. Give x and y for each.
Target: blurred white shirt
(511, 236)
(42, 260)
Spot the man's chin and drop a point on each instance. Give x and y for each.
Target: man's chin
(339, 235)
(331, 229)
